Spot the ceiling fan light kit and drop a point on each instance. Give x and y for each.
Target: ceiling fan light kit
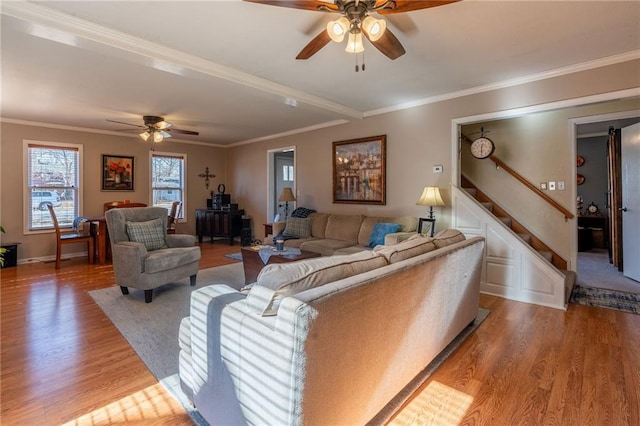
(355, 21)
(157, 128)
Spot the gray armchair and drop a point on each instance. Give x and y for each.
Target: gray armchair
(144, 256)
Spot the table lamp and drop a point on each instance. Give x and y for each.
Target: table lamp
(431, 197)
(286, 195)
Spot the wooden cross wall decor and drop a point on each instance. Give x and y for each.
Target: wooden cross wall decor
(206, 175)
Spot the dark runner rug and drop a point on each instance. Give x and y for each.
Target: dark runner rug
(602, 298)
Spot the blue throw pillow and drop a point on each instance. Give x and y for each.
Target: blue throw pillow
(380, 230)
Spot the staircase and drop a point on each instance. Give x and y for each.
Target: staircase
(517, 264)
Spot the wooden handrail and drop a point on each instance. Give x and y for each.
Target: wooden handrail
(501, 164)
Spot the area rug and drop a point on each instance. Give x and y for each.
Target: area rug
(591, 296)
(234, 256)
(152, 330)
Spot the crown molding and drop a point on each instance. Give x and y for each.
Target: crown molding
(558, 72)
(82, 28)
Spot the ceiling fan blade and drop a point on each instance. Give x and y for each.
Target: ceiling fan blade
(184, 132)
(128, 124)
(409, 5)
(388, 44)
(314, 45)
(298, 4)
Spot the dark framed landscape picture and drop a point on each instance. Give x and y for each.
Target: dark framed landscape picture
(117, 173)
(359, 170)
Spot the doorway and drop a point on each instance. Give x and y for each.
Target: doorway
(598, 243)
(281, 174)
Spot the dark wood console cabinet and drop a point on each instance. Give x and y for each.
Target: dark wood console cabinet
(218, 224)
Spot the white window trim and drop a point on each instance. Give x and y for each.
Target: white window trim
(184, 188)
(25, 181)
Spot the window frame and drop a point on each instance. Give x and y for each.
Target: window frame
(27, 189)
(183, 188)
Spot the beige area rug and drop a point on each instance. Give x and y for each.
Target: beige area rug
(152, 328)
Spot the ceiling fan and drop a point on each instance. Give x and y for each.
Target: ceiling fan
(356, 21)
(157, 128)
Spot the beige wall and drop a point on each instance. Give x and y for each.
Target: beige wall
(539, 147)
(94, 145)
(417, 139)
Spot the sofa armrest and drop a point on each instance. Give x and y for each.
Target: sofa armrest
(397, 237)
(278, 227)
(129, 258)
(180, 240)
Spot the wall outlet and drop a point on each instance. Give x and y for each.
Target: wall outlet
(437, 168)
(543, 186)
(561, 186)
(552, 186)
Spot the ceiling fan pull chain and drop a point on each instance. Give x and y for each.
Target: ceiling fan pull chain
(363, 61)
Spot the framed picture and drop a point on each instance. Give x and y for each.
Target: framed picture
(117, 173)
(426, 226)
(359, 170)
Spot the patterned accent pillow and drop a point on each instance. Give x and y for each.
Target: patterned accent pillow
(150, 233)
(302, 212)
(380, 230)
(297, 227)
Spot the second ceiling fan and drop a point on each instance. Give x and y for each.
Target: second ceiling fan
(355, 22)
(156, 128)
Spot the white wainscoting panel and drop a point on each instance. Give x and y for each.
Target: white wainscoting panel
(511, 268)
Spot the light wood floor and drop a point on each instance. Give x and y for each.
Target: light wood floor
(63, 362)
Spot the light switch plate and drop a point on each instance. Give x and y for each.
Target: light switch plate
(543, 186)
(437, 168)
(552, 186)
(561, 186)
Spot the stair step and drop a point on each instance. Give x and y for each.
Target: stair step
(506, 221)
(488, 206)
(546, 254)
(471, 191)
(525, 237)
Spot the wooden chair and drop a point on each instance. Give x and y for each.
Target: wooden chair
(69, 238)
(174, 214)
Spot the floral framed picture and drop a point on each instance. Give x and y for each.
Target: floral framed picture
(359, 170)
(117, 173)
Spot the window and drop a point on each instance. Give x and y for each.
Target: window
(52, 176)
(167, 179)
(287, 173)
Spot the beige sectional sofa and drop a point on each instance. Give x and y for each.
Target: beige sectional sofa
(329, 340)
(344, 234)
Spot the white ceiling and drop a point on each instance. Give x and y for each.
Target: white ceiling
(227, 69)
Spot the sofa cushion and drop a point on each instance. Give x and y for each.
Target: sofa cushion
(150, 233)
(297, 227)
(164, 260)
(318, 224)
(286, 279)
(366, 227)
(343, 227)
(407, 223)
(414, 246)
(380, 230)
(447, 237)
(324, 246)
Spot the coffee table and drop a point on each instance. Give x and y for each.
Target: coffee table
(252, 262)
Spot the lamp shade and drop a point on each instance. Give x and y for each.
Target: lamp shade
(286, 195)
(430, 197)
(145, 135)
(374, 27)
(354, 44)
(337, 29)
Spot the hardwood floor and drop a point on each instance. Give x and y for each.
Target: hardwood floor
(63, 362)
